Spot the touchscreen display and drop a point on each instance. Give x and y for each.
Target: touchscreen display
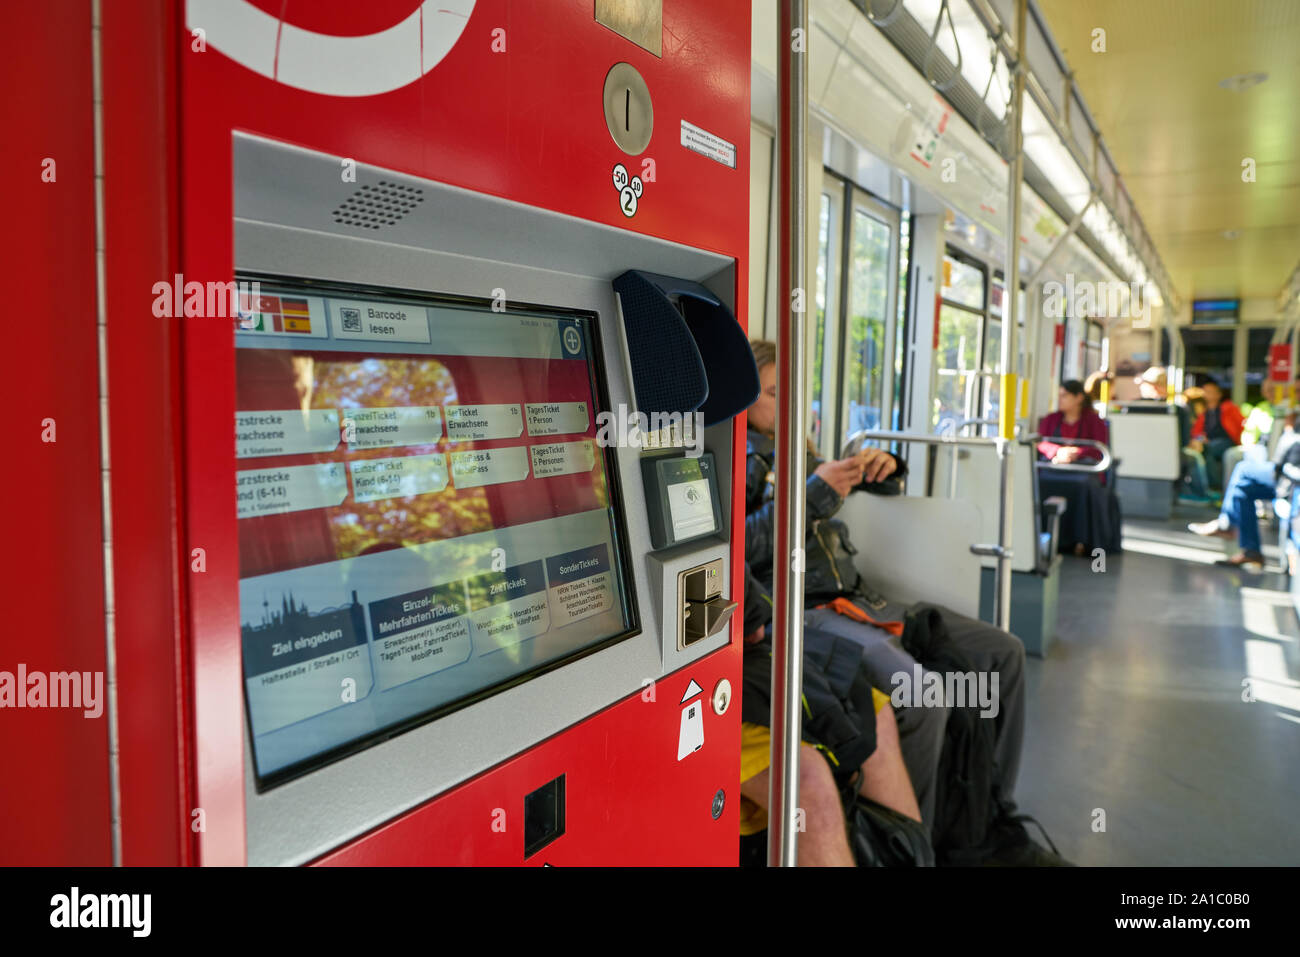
(424, 513)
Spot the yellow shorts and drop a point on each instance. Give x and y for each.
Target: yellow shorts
(756, 755)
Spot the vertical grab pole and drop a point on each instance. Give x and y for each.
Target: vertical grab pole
(787, 561)
(1010, 353)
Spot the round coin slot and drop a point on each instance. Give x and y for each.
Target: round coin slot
(629, 113)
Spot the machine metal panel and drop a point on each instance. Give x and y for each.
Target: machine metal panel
(494, 105)
(535, 265)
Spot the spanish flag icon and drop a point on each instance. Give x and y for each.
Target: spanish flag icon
(297, 315)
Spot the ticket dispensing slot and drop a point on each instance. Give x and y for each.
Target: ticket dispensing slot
(704, 611)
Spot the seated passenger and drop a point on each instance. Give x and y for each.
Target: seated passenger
(841, 603)
(1196, 482)
(1216, 430)
(1092, 385)
(1152, 385)
(1253, 481)
(1091, 518)
(846, 724)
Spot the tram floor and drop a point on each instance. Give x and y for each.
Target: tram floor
(1139, 747)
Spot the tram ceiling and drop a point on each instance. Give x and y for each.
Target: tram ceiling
(1182, 136)
(952, 43)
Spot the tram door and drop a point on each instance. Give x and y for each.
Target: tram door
(466, 284)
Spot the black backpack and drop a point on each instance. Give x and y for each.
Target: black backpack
(839, 719)
(838, 711)
(965, 805)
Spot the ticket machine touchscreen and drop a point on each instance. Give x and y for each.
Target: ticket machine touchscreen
(425, 516)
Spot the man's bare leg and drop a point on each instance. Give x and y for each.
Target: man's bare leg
(884, 776)
(824, 841)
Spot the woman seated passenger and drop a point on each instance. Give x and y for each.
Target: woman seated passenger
(1091, 518)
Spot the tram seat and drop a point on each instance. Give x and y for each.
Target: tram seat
(922, 554)
(1150, 448)
(1035, 531)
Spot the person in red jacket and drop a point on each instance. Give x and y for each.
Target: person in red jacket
(1216, 430)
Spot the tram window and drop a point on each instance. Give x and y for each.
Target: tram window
(959, 350)
(1257, 342)
(390, 568)
(819, 331)
(1092, 347)
(963, 283)
(1209, 352)
(868, 304)
(962, 329)
(904, 269)
(992, 368)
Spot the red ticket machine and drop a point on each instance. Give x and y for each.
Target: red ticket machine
(466, 281)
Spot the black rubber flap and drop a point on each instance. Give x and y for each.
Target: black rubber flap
(697, 358)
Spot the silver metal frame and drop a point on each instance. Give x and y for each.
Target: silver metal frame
(1002, 550)
(1096, 467)
(860, 199)
(787, 642)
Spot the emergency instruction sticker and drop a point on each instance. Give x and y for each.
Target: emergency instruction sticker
(294, 488)
(285, 432)
(373, 479)
(400, 425)
(467, 423)
(480, 467)
(708, 144)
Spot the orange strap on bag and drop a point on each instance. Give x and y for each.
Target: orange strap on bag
(843, 606)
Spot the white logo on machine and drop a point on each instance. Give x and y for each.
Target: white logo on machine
(572, 341)
(335, 65)
(691, 737)
(629, 190)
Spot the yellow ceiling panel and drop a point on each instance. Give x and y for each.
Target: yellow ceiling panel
(1180, 139)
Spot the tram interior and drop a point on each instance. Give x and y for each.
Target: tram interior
(1156, 257)
(1023, 276)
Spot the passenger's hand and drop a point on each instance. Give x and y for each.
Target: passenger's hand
(877, 465)
(841, 475)
(1066, 455)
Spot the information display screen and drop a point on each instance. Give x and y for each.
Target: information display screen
(425, 516)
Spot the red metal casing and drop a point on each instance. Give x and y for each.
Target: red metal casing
(55, 800)
(514, 110)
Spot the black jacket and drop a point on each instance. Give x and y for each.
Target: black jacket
(839, 715)
(828, 553)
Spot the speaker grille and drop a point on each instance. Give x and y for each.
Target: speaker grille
(374, 206)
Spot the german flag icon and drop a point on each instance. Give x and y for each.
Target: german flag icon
(297, 315)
